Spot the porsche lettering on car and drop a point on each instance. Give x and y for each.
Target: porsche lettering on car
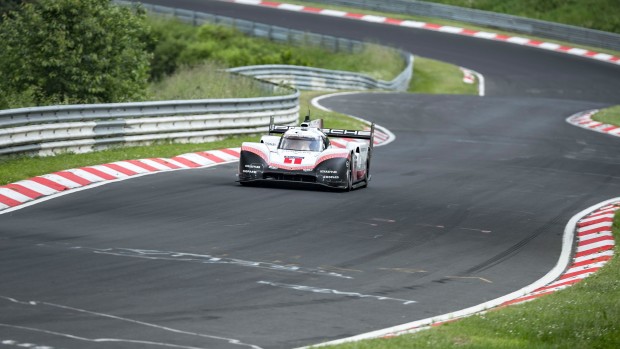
(305, 154)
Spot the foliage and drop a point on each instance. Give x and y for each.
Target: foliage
(209, 80)
(594, 14)
(609, 115)
(179, 44)
(72, 51)
(431, 76)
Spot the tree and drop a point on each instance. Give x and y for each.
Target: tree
(10, 5)
(73, 51)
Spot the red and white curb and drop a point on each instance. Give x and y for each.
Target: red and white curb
(30, 191)
(470, 76)
(587, 245)
(584, 120)
(594, 248)
(36, 189)
(604, 57)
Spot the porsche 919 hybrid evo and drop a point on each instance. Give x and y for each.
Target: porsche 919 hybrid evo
(305, 154)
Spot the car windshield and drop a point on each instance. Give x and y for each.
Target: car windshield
(302, 144)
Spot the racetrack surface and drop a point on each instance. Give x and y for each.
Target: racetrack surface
(468, 204)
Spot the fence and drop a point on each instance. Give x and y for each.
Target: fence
(83, 128)
(534, 27)
(271, 32)
(306, 78)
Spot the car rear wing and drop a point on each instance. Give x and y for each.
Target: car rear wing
(331, 132)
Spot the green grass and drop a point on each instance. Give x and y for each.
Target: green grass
(431, 76)
(455, 23)
(594, 14)
(609, 116)
(330, 119)
(179, 44)
(209, 80)
(15, 168)
(586, 315)
(21, 167)
(206, 80)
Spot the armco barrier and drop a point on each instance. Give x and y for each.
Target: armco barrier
(534, 27)
(306, 78)
(83, 128)
(271, 32)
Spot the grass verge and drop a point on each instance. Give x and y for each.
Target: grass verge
(586, 315)
(431, 76)
(206, 80)
(608, 116)
(15, 168)
(446, 22)
(593, 14)
(210, 80)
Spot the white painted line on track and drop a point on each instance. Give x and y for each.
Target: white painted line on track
(316, 103)
(549, 279)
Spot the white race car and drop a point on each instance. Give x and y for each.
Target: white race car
(305, 154)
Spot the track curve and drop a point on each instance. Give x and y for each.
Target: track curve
(469, 203)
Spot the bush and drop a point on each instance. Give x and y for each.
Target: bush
(73, 51)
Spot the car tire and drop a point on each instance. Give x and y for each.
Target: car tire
(366, 180)
(350, 174)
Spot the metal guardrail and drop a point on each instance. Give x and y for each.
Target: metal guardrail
(83, 128)
(271, 32)
(534, 27)
(306, 78)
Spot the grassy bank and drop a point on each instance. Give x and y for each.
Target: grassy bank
(178, 44)
(435, 77)
(586, 315)
(205, 79)
(609, 116)
(594, 14)
(453, 23)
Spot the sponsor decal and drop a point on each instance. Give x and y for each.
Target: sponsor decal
(293, 160)
(331, 177)
(328, 171)
(252, 166)
(345, 132)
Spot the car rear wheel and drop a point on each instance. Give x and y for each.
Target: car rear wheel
(366, 178)
(350, 174)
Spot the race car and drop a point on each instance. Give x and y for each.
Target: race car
(305, 154)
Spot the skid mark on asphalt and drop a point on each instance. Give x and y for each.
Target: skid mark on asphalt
(10, 342)
(208, 259)
(61, 307)
(334, 292)
(471, 277)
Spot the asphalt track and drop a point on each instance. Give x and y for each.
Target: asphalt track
(468, 204)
